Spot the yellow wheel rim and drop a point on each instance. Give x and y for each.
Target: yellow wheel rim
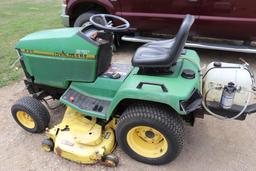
(46, 148)
(147, 141)
(25, 119)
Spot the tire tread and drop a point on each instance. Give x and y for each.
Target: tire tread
(35, 108)
(160, 114)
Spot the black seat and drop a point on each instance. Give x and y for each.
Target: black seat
(161, 43)
(157, 54)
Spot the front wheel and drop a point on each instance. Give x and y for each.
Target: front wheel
(30, 114)
(150, 133)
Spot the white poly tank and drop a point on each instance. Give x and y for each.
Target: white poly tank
(223, 73)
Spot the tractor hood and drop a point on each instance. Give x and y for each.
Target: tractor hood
(56, 57)
(65, 40)
(51, 34)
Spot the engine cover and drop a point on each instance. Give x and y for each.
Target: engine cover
(56, 57)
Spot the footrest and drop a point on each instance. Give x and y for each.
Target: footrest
(85, 103)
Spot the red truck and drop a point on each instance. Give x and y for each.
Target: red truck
(220, 24)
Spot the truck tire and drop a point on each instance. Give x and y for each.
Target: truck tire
(84, 18)
(31, 114)
(150, 133)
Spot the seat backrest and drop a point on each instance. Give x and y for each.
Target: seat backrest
(181, 38)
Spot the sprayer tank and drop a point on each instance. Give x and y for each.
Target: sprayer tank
(224, 73)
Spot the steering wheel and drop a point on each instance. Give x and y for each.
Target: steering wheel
(100, 21)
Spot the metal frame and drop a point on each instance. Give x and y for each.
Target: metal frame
(201, 45)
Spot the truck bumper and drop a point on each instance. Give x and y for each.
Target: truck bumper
(64, 16)
(65, 20)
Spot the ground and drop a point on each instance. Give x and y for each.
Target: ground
(211, 144)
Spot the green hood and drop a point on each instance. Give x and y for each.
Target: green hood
(56, 57)
(56, 40)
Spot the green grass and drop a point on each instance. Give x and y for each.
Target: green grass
(17, 19)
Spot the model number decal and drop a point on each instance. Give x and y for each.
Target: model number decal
(83, 54)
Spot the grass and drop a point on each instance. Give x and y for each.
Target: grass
(17, 19)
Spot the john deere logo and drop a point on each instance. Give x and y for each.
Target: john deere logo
(79, 55)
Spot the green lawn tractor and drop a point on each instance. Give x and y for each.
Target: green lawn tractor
(141, 107)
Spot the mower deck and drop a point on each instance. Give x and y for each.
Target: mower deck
(80, 139)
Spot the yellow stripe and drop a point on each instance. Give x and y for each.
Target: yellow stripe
(58, 54)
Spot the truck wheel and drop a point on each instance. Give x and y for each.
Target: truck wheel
(150, 133)
(84, 18)
(30, 114)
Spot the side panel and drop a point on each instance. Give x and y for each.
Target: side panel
(229, 19)
(178, 87)
(57, 72)
(162, 16)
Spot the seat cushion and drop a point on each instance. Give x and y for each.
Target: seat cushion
(163, 43)
(151, 57)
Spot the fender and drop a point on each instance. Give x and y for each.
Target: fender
(166, 89)
(72, 4)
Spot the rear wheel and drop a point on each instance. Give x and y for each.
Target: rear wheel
(150, 133)
(30, 114)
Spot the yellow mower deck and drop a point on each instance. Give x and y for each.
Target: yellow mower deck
(80, 139)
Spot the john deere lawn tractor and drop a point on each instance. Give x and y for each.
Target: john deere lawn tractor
(141, 107)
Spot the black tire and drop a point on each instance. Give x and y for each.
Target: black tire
(110, 160)
(158, 117)
(84, 18)
(48, 145)
(35, 109)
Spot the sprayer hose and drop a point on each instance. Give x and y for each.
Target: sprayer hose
(221, 117)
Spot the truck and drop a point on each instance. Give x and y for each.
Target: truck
(220, 24)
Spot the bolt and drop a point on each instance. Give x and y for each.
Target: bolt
(254, 88)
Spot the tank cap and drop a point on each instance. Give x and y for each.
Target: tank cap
(231, 84)
(230, 87)
(217, 64)
(188, 74)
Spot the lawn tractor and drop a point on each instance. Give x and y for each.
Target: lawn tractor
(142, 107)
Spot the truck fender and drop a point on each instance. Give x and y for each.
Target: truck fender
(72, 4)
